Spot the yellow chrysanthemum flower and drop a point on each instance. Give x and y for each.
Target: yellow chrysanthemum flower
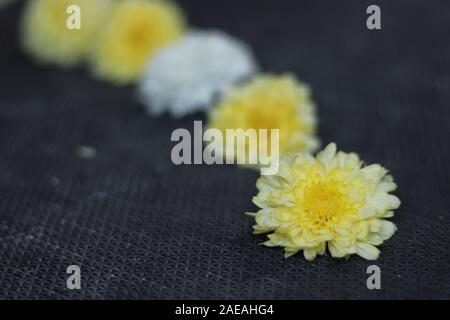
(330, 200)
(269, 102)
(45, 34)
(135, 30)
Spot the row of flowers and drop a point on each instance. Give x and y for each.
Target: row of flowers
(331, 201)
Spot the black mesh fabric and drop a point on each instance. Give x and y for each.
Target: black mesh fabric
(141, 227)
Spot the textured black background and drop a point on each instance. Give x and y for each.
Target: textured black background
(140, 227)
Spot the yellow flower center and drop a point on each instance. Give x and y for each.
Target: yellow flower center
(58, 12)
(138, 37)
(323, 201)
(256, 120)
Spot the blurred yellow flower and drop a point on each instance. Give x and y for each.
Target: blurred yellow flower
(45, 34)
(269, 102)
(135, 30)
(331, 201)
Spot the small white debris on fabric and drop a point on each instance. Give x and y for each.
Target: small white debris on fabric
(187, 75)
(55, 181)
(86, 152)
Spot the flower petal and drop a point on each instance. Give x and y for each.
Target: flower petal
(367, 251)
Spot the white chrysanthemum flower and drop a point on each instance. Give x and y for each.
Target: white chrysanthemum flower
(186, 76)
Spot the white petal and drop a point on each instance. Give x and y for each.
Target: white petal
(367, 251)
(366, 211)
(387, 229)
(185, 76)
(336, 250)
(383, 202)
(374, 239)
(265, 218)
(386, 187)
(310, 254)
(327, 154)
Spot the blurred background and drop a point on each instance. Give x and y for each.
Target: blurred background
(86, 176)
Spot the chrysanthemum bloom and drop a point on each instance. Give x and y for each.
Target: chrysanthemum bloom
(45, 34)
(269, 102)
(185, 76)
(331, 201)
(136, 29)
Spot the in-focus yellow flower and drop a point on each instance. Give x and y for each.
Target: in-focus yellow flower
(269, 102)
(45, 34)
(331, 201)
(135, 30)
